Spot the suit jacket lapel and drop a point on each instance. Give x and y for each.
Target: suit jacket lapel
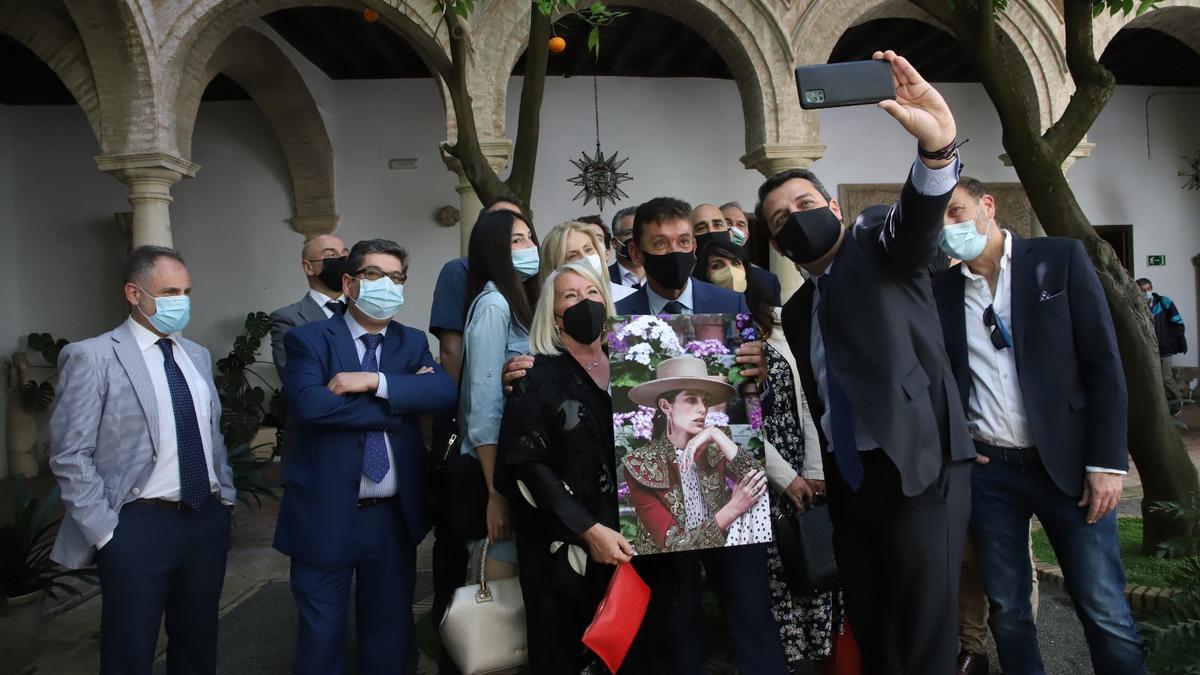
(700, 297)
(310, 311)
(1022, 283)
(131, 360)
(641, 301)
(393, 343)
(801, 343)
(343, 345)
(953, 311)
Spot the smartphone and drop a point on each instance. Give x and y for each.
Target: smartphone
(830, 85)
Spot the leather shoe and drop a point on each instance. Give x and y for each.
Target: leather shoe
(970, 663)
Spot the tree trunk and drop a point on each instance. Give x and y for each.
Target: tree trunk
(1163, 464)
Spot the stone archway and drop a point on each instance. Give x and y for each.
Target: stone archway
(259, 66)
(1179, 18)
(57, 43)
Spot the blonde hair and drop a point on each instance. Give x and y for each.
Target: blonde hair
(554, 248)
(543, 336)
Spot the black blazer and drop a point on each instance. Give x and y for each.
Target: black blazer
(1067, 359)
(769, 282)
(883, 340)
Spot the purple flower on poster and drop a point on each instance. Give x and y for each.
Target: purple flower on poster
(702, 348)
(756, 417)
(716, 418)
(623, 490)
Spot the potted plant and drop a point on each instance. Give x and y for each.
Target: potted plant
(27, 399)
(28, 575)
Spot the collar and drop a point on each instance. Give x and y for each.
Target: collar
(145, 337)
(626, 271)
(357, 331)
(657, 302)
(1005, 259)
(320, 298)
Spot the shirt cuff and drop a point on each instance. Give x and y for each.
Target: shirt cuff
(933, 182)
(104, 540)
(381, 390)
(1100, 469)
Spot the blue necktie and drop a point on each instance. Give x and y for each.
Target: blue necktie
(193, 470)
(841, 414)
(673, 307)
(375, 456)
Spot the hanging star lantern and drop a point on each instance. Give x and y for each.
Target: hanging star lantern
(600, 178)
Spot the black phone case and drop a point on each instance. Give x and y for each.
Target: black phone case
(830, 85)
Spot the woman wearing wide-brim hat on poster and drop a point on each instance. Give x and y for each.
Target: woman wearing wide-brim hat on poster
(677, 482)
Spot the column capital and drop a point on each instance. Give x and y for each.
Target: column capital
(1084, 149)
(148, 165)
(771, 159)
(497, 152)
(315, 226)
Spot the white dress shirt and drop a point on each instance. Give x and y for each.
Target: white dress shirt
(628, 278)
(657, 302)
(164, 476)
(996, 407)
(368, 488)
(926, 181)
(320, 298)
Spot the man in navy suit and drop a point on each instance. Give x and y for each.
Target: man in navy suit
(664, 244)
(710, 224)
(354, 502)
(1032, 347)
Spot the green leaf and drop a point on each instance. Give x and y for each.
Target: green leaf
(1145, 6)
(593, 43)
(1097, 9)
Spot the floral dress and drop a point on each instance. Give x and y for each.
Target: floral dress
(807, 623)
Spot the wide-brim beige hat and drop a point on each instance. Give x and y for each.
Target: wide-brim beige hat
(678, 373)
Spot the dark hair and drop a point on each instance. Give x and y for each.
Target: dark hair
(780, 178)
(658, 210)
(658, 424)
(142, 259)
(756, 295)
(973, 186)
(627, 211)
(489, 258)
(597, 220)
(368, 246)
(1144, 280)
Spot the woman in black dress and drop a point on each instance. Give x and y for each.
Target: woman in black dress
(556, 463)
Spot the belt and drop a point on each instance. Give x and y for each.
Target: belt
(166, 503)
(374, 501)
(1008, 455)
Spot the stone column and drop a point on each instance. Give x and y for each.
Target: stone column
(315, 226)
(770, 160)
(497, 153)
(149, 177)
(1084, 149)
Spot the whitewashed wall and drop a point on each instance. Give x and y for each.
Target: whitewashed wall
(60, 253)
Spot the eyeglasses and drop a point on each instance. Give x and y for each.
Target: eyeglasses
(1000, 336)
(375, 274)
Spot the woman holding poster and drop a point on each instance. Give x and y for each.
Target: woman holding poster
(692, 486)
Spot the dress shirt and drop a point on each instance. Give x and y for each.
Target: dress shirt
(368, 488)
(996, 407)
(657, 302)
(320, 298)
(628, 278)
(925, 181)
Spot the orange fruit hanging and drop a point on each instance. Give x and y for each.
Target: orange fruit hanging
(557, 44)
(370, 15)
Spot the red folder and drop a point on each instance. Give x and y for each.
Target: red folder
(618, 617)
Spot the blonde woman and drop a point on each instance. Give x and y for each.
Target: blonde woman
(571, 242)
(555, 461)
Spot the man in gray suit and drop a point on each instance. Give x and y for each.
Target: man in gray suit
(321, 259)
(136, 446)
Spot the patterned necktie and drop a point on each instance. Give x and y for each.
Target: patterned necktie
(375, 456)
(673, 307)
(193, 470)
(337, 307)
(841, 413)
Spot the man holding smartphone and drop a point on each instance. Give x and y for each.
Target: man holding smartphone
(878, 379)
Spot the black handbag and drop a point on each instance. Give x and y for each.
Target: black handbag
(804, 540)
(458, 492)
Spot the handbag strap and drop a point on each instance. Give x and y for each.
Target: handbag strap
(483, 594)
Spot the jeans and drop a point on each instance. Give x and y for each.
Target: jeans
(1004, 497)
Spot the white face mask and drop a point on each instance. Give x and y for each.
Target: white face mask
(964, 241)
(596, 263)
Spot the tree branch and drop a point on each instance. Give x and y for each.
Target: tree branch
(520, 179)
(466, 148)
(1094, 84)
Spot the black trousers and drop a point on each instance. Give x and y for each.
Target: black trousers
(162, 561)
(899, 559)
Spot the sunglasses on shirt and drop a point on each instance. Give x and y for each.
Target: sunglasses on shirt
(1000, 337)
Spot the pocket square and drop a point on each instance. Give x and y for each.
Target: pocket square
(1047, 296)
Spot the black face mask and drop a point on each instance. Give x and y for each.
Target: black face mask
(806, 236)
(622, 249)
(670, 270)
(584, 321)
(331, 273)
(703, 240)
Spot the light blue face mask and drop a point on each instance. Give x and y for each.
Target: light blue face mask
(737, 236)
(964, 241)
(171, 312)
(379, 299)
(526, 262)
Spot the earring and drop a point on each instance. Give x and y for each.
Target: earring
(557, 329)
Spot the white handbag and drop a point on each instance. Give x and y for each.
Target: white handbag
(483, 630)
